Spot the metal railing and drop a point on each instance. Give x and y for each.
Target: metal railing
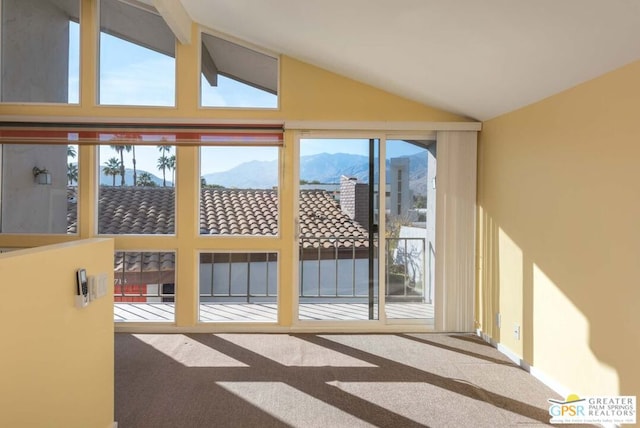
(407, 276)
(336, 267)
(330, 267)
(235, 277)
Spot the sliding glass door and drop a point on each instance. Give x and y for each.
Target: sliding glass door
(341, 205)
(338, 230)
(410, 167)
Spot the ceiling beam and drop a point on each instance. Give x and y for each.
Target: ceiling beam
(176, 18)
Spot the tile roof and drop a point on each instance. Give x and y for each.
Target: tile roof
(238, 212)
(156, 262)
(136, 210)
(151, 210)
(322, 221)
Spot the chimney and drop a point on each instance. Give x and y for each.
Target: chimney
(354, 200)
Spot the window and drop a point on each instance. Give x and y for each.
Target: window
(137, 193)
(137, 56)
(238, 193)
(236, 76)
(144, 286)
(237, 287)
(38, 188)
(410, 230)
(40, 51)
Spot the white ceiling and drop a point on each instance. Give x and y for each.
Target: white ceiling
(477, 58)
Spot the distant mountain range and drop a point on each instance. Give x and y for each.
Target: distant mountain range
(107, 180)
(323, 168)
(247, 175)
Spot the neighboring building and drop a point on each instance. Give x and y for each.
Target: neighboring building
(354, 199)
(34, 208)
(401, 197)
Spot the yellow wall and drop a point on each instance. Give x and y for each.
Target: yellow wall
(559, 235)
(311, 93)
(306, 93)
(56, 363)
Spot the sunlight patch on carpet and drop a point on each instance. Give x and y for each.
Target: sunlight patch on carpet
(187, 351)
(291, 351)
(292, 406)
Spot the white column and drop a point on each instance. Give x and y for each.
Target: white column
(455, 230)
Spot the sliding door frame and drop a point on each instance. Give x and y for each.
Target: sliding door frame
(382, 323)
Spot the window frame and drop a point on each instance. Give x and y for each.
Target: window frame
(149, 9)
(208, 31)
(278, 197)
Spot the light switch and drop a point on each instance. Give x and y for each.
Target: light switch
(93, 288)
(102, 284)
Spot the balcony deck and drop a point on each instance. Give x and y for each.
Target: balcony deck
(267, 312)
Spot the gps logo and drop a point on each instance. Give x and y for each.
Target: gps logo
(566, 410)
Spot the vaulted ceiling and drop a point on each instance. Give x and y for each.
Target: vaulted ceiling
(476, 58)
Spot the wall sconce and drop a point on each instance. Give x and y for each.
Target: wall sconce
(41, 176)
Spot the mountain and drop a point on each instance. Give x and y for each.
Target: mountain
(328, 168)
(323, 168)
(247, 175)
(107, 180)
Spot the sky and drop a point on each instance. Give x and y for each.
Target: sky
(134, 75)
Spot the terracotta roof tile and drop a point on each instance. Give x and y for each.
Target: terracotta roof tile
(150, 210)
(323, 224)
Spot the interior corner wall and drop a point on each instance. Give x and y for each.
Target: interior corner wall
(559, 203)
(57, 360)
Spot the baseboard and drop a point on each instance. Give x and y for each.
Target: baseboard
(556, 386)
(550, 382)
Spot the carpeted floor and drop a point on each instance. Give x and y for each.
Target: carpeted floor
(321, 380)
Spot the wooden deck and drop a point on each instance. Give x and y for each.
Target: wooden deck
(267, 312)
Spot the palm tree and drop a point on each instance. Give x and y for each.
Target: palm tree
(112, 167)
(121, 149)
(145, 179)
(164, 149)
(172, 167)
(163, 165)
(163, 161)
(135, 171)
(71, 152)
(72, 173)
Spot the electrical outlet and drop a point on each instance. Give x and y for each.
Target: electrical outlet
(498, 320)
(516, 332)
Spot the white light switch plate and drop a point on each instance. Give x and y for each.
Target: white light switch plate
(102, 284)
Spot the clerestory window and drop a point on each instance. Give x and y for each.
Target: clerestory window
(137, 56)
(236, 76)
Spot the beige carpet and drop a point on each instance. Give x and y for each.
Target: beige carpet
(321, 380)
